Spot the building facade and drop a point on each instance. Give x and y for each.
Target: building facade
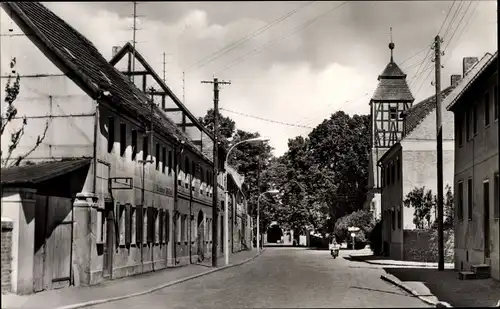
(391, 98)
(142, 197)
(477, 231)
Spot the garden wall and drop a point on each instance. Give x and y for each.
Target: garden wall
(422, 245)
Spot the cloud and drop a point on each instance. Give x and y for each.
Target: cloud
(301, 79)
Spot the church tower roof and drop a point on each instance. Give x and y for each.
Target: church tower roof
(392, 84)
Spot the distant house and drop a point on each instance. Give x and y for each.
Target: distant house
(412, 163)
(477, 213)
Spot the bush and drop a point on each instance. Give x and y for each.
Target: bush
(362, 219)
(375, 238)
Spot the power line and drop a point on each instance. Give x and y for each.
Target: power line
(465, 27)
(264, 119)
(216, 55)
(284, 36)
(458, 26)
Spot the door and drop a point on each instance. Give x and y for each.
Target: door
(486, 223)
(108, 244)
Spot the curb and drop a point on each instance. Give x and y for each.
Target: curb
(354, 258)
(400, 284)
(107, 300)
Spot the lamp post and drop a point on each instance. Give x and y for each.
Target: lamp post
(226, 206)
(272, 192)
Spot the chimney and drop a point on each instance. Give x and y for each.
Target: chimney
(469, 62)
(455, 78)
(115, 50)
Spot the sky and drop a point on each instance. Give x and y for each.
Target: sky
(290, 62)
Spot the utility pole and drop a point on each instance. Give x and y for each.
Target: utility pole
(215, 204)
(439, 140)
(497, 99)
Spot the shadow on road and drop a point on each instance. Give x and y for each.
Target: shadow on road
(446, 286)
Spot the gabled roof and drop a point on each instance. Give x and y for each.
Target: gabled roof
(29, 175)
(80, 60)
(414, 116)
(128, 48)
(485, 62)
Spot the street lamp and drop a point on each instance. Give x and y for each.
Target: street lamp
(271, 192)
(226, 207)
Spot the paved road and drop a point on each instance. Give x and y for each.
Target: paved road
(281, 277)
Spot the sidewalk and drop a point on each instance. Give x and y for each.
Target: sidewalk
(423, 280)
(119, 287)
(434, 285)
(376, 260)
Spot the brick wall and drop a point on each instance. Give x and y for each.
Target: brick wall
(6, 255)
(421, 246)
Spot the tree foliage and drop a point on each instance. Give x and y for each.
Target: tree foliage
(11, 92)
(321, 177)
(425, 204)
(363, 219)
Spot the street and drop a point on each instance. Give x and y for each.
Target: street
(281, 277)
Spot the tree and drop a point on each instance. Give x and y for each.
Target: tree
(423, 202)
(449, 209)
(226, 126)
(11, 93)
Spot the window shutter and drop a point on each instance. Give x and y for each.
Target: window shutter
(139, 221)
(167, 226)
(150, 219)
(128, 224)
(161, 226)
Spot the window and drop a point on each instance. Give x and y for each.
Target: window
(163, 159)
(467, 125)
(169, 162)
(486, 195)
(474, 119)
(121, 224)
(459, 132)
(183, 228)
(393, 113)
(133, 228)
(134, 144)
(123, 138)
(145, 226)
(470, 199)
(111, 133)
(151, 225)
(495, 102)
(157, 156)
(156, 218)
(460, 202)
(486, 109)
(145, 148)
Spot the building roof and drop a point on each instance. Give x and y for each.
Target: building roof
(392, 70)
(392, 87)
(80, 60)
(414, 116)
(28, 175)
(485, 62)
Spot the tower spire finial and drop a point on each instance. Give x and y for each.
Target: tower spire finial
(391, 46)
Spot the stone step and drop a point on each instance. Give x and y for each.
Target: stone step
(480, 268)
(466, 275)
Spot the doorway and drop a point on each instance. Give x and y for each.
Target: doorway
(107, 265)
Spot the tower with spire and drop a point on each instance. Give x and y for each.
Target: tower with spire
(391, 98)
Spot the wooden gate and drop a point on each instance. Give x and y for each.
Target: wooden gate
(53, 242)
